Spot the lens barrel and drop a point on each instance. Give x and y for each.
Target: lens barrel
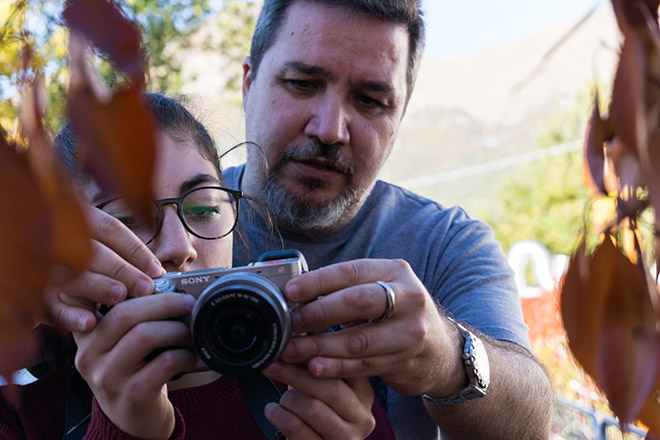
(240, 324)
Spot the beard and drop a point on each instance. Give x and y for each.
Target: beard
(302, 213)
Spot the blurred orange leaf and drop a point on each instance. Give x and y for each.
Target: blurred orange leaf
(116, 135)
(71, 245)
(26, 226)
(627, 108)
(610, 320)
(633, 14)
(102, 23)
(650, 415)
(599, 131)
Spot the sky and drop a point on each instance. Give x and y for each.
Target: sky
(459, 27)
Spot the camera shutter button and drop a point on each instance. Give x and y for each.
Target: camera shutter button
(163, 285)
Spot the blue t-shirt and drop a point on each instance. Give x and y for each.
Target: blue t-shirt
(455, 257)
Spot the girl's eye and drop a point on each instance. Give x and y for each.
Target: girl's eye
(201, 212)
(130, 221)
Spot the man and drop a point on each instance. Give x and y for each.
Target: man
(325, 88)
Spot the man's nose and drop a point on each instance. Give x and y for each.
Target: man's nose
(173, 244)
(329, 121)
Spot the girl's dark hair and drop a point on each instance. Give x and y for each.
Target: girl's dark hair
(170, 115)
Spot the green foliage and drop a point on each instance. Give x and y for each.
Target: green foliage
(237, 21)
(164, 24)
(545, 200)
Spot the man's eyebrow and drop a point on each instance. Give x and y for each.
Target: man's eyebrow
(308, 69)
(197, 180)
(375, 86)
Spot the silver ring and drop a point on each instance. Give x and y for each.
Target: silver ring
(389, 294)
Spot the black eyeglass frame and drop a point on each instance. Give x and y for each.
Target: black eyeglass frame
(178, 201)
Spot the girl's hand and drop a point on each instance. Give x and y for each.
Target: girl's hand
(121, 267)
(112, 358)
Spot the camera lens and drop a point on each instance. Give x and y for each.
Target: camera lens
(240, 324)
(237, 329)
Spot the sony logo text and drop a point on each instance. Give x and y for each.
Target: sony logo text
(195, 280)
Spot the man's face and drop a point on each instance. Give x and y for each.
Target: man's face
(325, 106)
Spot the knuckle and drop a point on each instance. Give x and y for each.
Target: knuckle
(365, 363)
(368, 425)
(136, 250)
(417, 298)
(141, 334)
(168, 360)
(315, 314)
(362, 299)
(336, 391)
(81, 361)
(108, 225)
(133, 391)
(350, 271)
(401, 265)
(409, 364)
(121, 271)
(61, 317)
(418, 331)
(357, 343)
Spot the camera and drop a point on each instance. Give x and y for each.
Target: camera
(241, 320)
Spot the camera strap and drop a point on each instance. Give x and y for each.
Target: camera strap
(78, 414)
(259, 391)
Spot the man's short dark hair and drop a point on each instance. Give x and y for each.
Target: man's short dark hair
(406, 13)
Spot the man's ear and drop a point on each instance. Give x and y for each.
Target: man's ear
(247, 79)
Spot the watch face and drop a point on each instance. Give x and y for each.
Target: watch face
(481, 364)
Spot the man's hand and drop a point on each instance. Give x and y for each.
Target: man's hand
(416, 350)
(121, 267)
(315, 408)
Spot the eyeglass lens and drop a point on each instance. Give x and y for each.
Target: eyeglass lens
(207, 212)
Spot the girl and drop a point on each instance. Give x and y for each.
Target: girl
(129, 393)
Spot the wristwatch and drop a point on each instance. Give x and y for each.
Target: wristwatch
(477, 368)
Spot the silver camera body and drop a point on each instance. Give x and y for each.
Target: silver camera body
(241, 320)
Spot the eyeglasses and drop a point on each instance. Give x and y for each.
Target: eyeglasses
(209, 213)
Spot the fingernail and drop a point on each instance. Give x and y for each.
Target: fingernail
(293, 292)
(317, 369)
(143, 288)
(268, 409)
(156, 270)
(117, 292)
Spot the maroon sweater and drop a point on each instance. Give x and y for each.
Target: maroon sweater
(216, 410)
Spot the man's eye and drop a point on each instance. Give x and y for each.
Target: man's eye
(368, 101)
(299, 84)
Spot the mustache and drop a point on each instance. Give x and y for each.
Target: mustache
(314, 151)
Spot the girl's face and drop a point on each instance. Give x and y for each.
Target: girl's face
(179, 168)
